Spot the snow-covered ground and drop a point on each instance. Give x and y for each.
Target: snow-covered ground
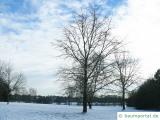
(28, 111)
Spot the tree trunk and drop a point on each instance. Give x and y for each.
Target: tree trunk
(90, 100)
(123, 99)
(8, 95)
(90, 105)
(84, 100)
(69, 101)
(85, 89)
(85, 97)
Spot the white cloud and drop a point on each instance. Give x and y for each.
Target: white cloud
(138, 22)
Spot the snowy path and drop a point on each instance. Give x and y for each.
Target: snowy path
(26, 111)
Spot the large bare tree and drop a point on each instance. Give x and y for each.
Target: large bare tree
(89, 33)
(126, 71)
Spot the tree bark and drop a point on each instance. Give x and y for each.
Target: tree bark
(85, 98)
(90, 105)
(8, 96)
(123, 99)
(85, 88)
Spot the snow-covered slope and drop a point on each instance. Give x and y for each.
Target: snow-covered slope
(27, 111)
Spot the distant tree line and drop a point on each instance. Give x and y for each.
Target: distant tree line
(147, 96)
(102, 100)
(32, 99)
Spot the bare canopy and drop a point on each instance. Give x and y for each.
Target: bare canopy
(126, 71)
(87, 39)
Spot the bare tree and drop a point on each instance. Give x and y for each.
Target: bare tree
(23, 91)
(70, 93)
(101, 78)
(14, 81)
(32, 91)
(89, 33)
(126, 71)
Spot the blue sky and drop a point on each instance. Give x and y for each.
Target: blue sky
(16, 11)
(19, 8)
(27, 28)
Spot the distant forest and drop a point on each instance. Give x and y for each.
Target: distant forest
(104, 100)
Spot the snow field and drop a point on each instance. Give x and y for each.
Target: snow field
(29, 111)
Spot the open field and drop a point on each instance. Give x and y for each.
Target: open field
(28, 111)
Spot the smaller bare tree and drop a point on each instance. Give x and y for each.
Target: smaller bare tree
(14, 81)
(126, 72)
(32, 92)
(70, 93)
